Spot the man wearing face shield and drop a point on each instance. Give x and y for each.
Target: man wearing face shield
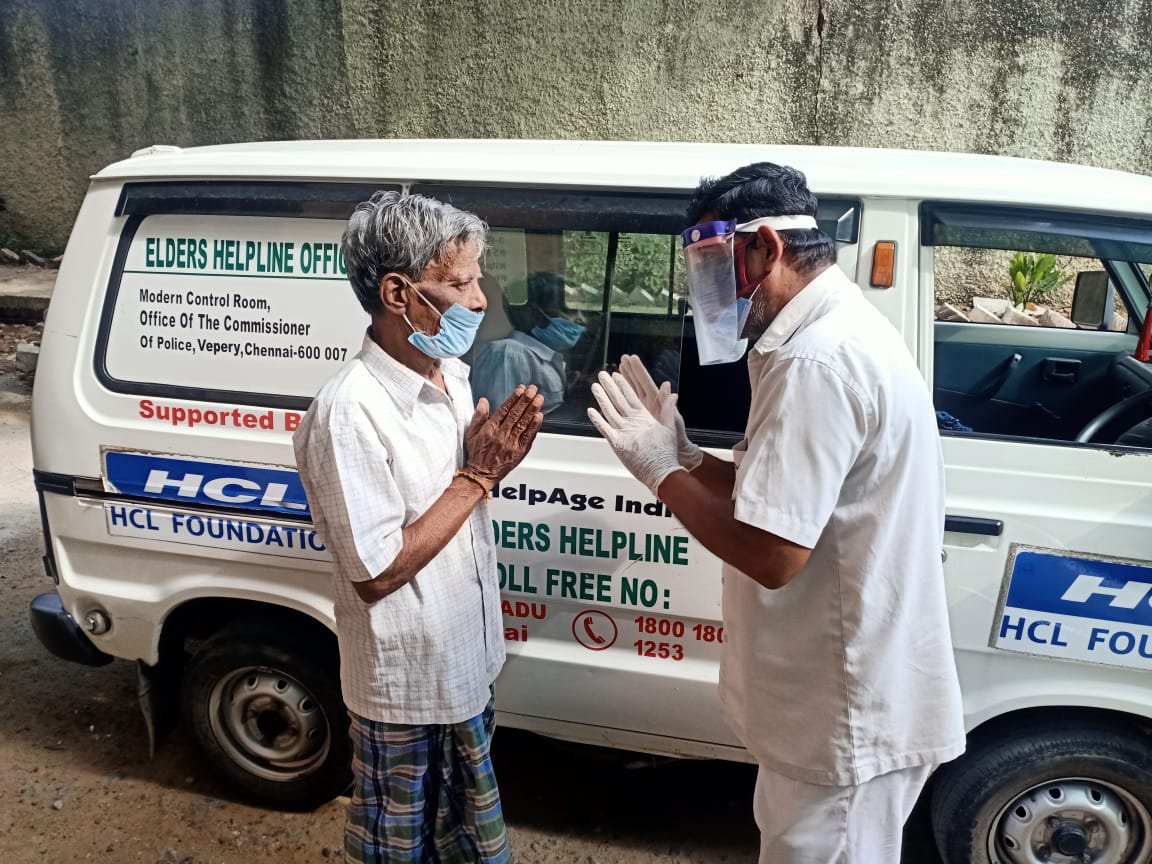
(837, 672)
(397, 466)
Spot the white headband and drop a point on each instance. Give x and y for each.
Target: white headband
(780, 223)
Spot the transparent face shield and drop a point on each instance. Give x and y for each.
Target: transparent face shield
(719, 306)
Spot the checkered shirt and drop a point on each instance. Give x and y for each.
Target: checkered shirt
(377, 447)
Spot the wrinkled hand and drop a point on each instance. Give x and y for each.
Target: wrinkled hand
(494, 445)
(644, 443)
(634, 372)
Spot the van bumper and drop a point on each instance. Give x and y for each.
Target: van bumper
(60, 634)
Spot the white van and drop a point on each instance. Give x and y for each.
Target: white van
(202, 301)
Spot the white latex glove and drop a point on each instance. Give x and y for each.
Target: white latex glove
(645, 444)
(654, 399)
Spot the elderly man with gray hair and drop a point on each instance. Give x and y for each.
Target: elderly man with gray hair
(397, 467)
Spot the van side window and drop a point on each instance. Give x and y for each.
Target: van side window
(575, 279)
(562, 305)
(1036, 316)
(998, 286)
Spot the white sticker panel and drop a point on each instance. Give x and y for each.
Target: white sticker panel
(255, 305)
(217, 531)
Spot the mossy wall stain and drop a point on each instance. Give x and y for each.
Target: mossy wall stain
(86, 82)
(1058, 79)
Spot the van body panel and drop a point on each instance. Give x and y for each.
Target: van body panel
(612, 613)
(139, 582)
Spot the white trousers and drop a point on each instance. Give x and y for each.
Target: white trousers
(802, 823)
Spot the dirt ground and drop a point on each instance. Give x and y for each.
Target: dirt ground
(76, 782)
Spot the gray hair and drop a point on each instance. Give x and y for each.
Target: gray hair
(393, 232)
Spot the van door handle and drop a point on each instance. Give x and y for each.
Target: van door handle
(974, 525)
(1060, 370)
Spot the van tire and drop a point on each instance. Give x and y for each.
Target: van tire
(1063, 784)
(269, 719)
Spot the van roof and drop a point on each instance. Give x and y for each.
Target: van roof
(652, 165)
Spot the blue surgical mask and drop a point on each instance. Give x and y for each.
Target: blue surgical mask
(457, 332)
(560, 334)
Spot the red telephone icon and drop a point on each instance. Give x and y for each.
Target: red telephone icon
(585, 631)
(599, 640)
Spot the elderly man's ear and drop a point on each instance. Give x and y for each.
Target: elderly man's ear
(394, 292)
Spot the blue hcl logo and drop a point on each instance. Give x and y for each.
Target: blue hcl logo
(1084, 587)
(221, 484)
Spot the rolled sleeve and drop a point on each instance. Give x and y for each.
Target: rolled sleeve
(808, 429)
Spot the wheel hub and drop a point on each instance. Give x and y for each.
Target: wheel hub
(1070, 839)
(1068, 821)
(269, 722)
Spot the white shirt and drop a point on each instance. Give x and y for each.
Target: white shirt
(378, 446)
(847, 671)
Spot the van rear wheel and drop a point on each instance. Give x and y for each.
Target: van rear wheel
(1060, 793)
(269, 719)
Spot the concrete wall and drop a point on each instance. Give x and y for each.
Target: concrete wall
(85, 82)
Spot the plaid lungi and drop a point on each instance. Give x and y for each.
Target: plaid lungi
(425, 794)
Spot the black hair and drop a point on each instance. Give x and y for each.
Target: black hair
(766, 189)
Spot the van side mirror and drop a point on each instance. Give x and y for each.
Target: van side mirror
(1092, 301)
